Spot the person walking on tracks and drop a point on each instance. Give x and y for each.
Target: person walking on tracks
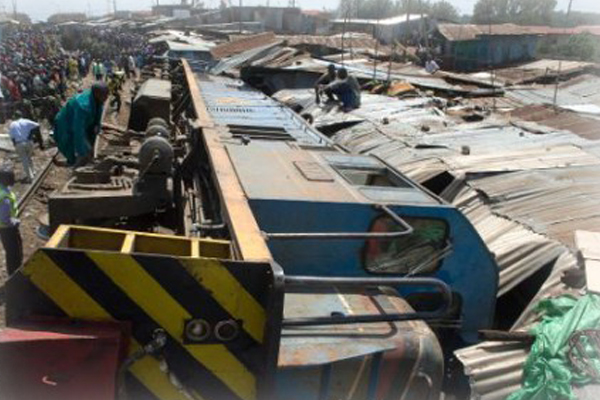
(78, 123)
(9, 223)
(20, 133)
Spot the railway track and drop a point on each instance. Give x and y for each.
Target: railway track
(28, 195)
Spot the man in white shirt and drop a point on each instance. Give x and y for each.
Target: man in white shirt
(131, 62)
(431, 66)
(20, 132)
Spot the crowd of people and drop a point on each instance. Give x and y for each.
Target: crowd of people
(38, 66)
(41, 78)
(34, 72)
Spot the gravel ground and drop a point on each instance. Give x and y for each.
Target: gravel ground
(36, 209)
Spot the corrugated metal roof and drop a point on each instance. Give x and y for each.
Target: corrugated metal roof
(495, 369)
(366, 42)
(457, 32)
(365, 71)
(520, 249)
(399, 19)
(526, 215)
(581, 90)
(246, 57)
(243, 44)
(181, 46)
(538, 71)
(233, 103)
(560, 119)
(554, 202)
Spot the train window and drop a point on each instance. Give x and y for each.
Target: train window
(381, 177)
(419, 253)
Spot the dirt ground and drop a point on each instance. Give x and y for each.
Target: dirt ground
(57, 177)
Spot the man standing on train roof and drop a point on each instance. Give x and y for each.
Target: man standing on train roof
(325, 79)
(78, 123)
(9, 223)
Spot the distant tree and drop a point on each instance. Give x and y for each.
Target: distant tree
(525, 12)
(581, 47)
(372, 9)
(575, 18)
(443, 10)
(66, 17)
(22, 18)
(369, 9)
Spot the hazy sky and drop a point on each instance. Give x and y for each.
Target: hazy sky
(40, 9)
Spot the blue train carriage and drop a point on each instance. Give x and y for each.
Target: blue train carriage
(337, 339)
(331, 214)
(315, 204)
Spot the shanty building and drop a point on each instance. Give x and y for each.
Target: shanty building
(411, 28)
(475, 47)
(276, 19)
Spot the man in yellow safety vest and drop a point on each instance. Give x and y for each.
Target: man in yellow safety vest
(9, 223)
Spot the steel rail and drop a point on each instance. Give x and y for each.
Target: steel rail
(34, 185)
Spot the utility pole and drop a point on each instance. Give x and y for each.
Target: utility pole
(492, 69)
(560, 61)
(240, 12)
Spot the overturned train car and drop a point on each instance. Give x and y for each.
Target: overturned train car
(292, 270)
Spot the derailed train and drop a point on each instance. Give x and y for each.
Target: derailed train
(300, 271)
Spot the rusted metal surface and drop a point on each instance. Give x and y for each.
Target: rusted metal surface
(242, 44)
(152, 100)
(457, 32)
(560, 119)
(386, 360)
(248, 240)
(582, 90)
(303, 346)
(363, 42)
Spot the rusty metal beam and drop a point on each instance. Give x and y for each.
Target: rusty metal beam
(249, 243)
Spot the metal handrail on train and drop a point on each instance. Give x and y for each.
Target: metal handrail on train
(303, 282)
(350, 235)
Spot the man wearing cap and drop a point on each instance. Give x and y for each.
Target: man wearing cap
(9, 223)
(78, 123)
(20, 134)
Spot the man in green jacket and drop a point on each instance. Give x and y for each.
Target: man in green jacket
(78, 123)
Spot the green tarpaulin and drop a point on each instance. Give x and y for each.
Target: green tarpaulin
(548, 373)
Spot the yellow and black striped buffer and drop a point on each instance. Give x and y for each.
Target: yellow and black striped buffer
(221, 318)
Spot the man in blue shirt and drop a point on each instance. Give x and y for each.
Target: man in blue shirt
(9, 223)
(346, 89)
(20, 134)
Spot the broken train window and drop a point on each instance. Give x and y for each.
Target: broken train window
(418, 253)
